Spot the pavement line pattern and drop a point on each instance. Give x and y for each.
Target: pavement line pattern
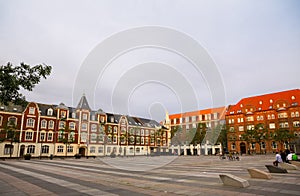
(184, 176)
(74, 186)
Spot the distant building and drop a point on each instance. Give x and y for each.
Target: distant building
(268, 114)
(44, 130)
(184, 126)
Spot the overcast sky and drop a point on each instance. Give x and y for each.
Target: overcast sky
(255, 46)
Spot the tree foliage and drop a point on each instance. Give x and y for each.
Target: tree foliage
(14, 78)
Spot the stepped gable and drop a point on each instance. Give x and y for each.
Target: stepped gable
(266, 101)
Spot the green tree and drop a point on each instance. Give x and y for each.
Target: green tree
(261, 135)
(249, 137)
(11, 134)
(13, 78)
(282, 136)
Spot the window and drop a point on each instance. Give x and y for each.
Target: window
(94, 128)
(44, 124)
(250, 127)
(269, 116)
(102, 119)
(71, 136)
(130, 150)
(93, 137)
(51, 124)
(50, 136)
(283, 125)
(101, 138)
(93, 117)
(45, 149)
(42, 136)
(233, 146)
(49, 112)
(62, 124)
(262, 145)
(112, 119)
(296, 124)
(84, 126)
(146, 132)
(142, 140)
(241, 128)
(72, 125)
(30, 122)
(282, 115)
(1, 119)
(292, 114)
(60, 135)
(63, 114)
(60, 149)
(250, 118)
(142, 132)
(115, 129)
(29, 135)
(272, 125)
(84, 116)
(8, 149)
(31, 110)
(92, 149)
(73, 115)
(70, 149)
(109, 139)
(187, 119)
(31, 149)
(231, 129)
(115, 139)
(83, 137)
(253, 146)
(297, 114)
(100, 149)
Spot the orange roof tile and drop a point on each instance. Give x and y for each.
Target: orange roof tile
(263, 102)
(220, 110)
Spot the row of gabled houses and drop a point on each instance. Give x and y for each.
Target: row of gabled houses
(43, 130)
(272, 122)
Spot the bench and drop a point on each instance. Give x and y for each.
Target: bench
(231, 180)
(288, 166)
(255, 173)
(274, 169)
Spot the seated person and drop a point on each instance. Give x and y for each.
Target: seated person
(277, 159)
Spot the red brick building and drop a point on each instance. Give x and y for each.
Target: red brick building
(45, 129)
(269, 113)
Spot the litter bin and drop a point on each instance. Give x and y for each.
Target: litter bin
(51, 156)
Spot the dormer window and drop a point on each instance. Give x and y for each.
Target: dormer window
(50, 112)
(63, 114)
(73, 115)
(112, 119)
(84, 116)
(31, 110)
(293, 98)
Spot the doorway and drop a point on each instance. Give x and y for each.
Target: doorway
(82, 151)
(243, 148)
